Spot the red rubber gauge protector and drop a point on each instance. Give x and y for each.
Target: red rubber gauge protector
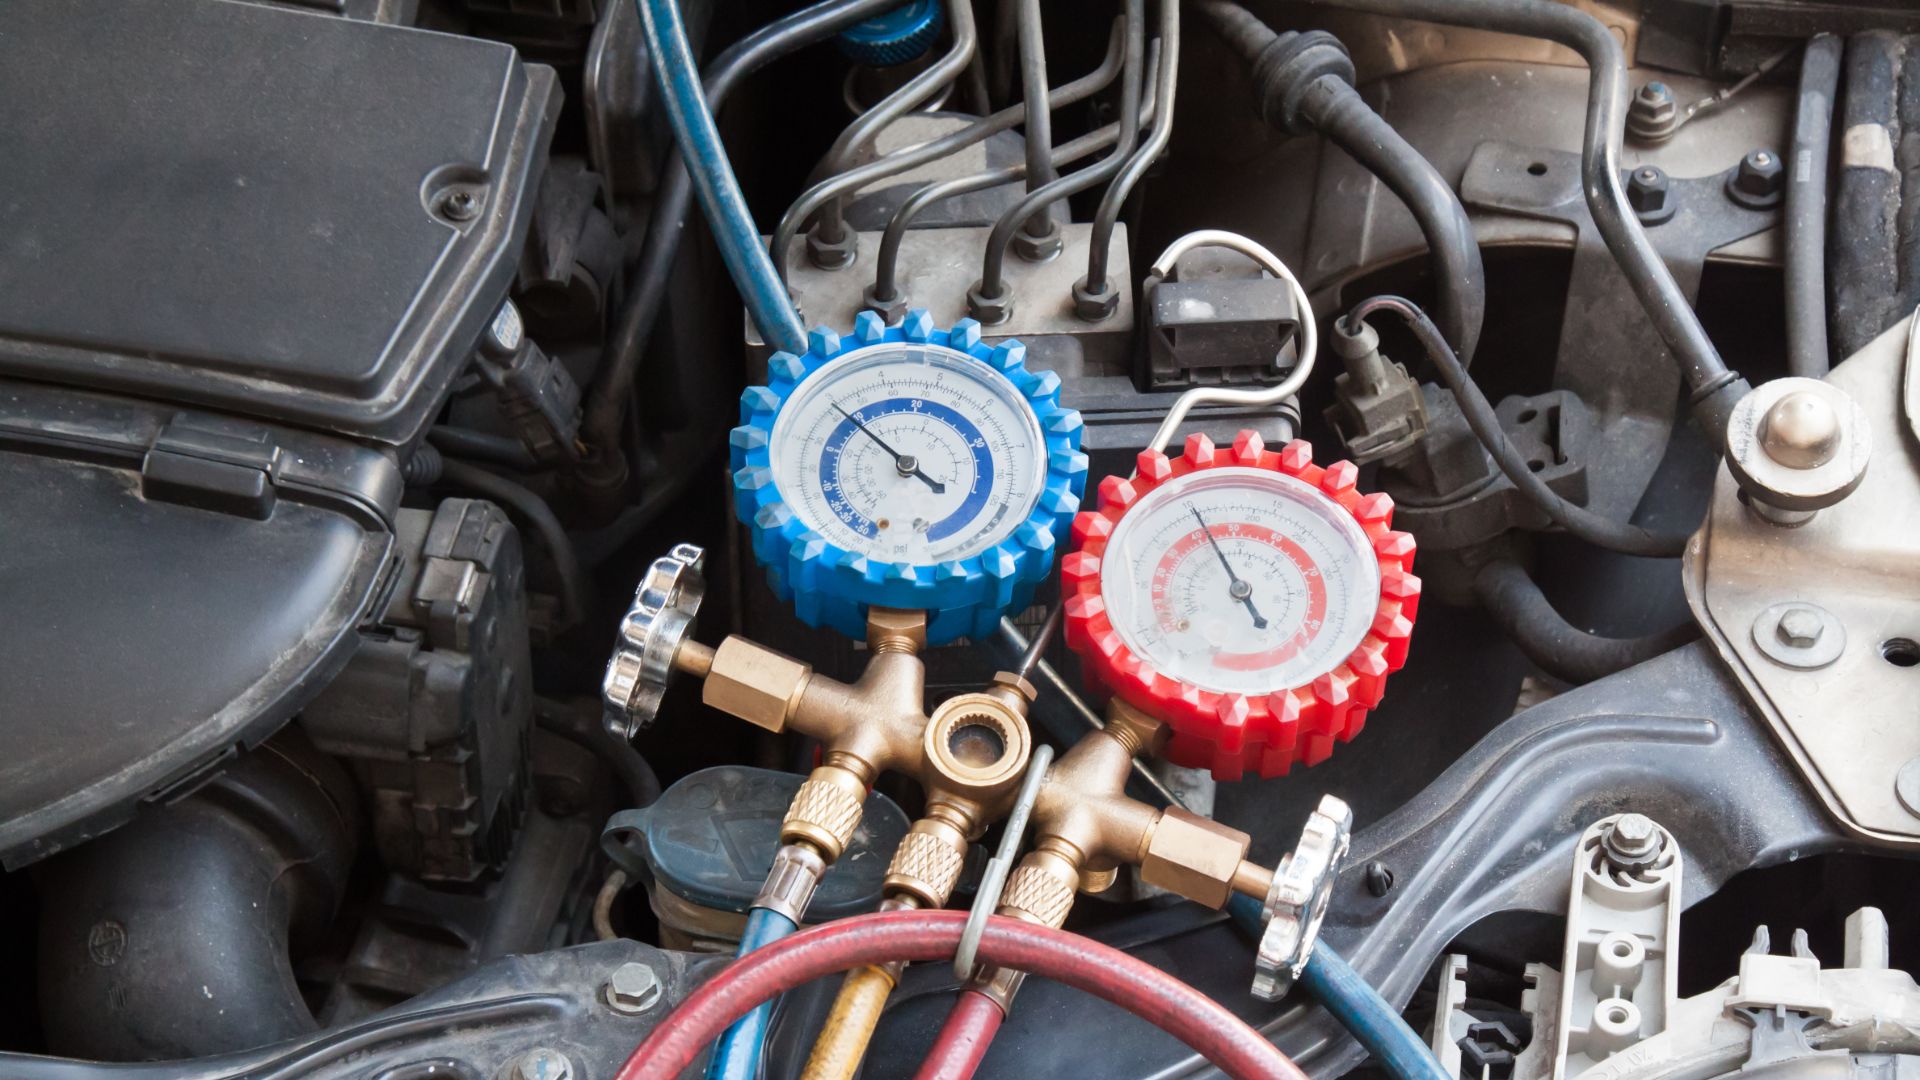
(1253, 600)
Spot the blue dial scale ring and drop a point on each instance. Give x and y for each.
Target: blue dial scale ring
(832, 586)
(834, 453)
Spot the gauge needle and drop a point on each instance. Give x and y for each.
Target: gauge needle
(1236, 588)
(905, 464)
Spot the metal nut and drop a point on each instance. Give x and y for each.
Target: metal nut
(1193, 856)
(754, 683)
(1095, 303)
(833, 254)
(541, 1063)
(1654, 115)
(1035, 249)
(891, 311)
(989, 310)
(1633, 841)
(632, 989)
(1801, 431)
(1648, 192)
(1759, 182)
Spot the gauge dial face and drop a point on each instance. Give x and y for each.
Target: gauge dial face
(1240, 581)
(909, 453)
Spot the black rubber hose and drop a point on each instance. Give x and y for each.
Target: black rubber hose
(481, 446)
(992, 284)
(534, 510)
(586, 730)
(1558, 647)
(1806, 258)
(1578, 520)
(612, 388)
(1714, 389)
(1305, 83)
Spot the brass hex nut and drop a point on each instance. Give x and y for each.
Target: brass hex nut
(1193, 856)
(1017, 687)
(754, 683)
(894, 630)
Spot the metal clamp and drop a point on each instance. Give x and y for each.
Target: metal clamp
(651, 633)
(1297, 900)
(994, 882)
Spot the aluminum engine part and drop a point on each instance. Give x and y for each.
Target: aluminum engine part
(1773, 600)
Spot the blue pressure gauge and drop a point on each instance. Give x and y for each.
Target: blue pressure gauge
(907, 467)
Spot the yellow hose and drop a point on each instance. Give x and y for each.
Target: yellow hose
(843, 1041)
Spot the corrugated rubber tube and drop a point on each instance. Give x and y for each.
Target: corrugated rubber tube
(713, 180)
(963, 1039)
(737, 1055)
(1341, 991)
(907, 936)
(843, 1041)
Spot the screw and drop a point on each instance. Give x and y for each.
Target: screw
(1647, 191)
(1379, 878)
(1801, 430)
(632, 989)
(460, 205)
(1800, 627)
(541, 1063)
(1759, 180)
(1634, 840)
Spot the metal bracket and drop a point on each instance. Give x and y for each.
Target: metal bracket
(1610, 354)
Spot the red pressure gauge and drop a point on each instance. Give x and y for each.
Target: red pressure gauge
(1253, 600)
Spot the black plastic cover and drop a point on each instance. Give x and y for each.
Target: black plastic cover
(293, 216)
(173, 586)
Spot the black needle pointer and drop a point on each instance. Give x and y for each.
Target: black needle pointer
(904, 464)
(1236, 588)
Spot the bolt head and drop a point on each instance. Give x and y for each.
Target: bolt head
(1634, 838)
(1800, 628)
(1647, 190)
(460, 204)
(1801, 431)
(632, 988)
(541, 1063)
(1654, 115)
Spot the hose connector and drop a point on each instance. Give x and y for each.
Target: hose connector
(1286, 70)
(795, 875)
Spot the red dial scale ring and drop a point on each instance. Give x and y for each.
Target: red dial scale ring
(1227, 732)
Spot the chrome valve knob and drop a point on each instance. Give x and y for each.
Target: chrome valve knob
(650, 635)
(1297, 900)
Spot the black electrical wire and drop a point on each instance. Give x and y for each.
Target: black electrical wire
(1304, 82)
(574, 588)
(1581, 522)
(1039, 126)
(585, 729)
(1558, 647)
(612, 388)
(1806, 255)
(1715, 389)
(832, 226)
(1100, 239)
(912, 157)
(885, 287)
(992, 284)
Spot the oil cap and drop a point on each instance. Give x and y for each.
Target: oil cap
(710, 838)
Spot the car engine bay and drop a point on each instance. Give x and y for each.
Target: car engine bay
(1141, 539)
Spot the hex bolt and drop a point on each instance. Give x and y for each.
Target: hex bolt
(1654, 115)
(1633, 841)
(1800, 628)
(541, 1063)
(1648, 192)
(632, 989)
(1759, 181)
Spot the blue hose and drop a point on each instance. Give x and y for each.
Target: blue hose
(1340, 990)
(736, 1056)
(713, 180)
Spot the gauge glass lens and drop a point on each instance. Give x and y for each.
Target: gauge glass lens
(1240, 580)
(909, 453)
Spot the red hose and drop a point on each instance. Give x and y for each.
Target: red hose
(964, 1039)
(1107, 973)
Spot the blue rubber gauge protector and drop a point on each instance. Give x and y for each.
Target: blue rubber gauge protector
(906, 467)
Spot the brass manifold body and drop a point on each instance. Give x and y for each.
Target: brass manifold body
(968, 755)
(1085, 828)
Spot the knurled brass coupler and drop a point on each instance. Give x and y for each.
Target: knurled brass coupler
(826, 810)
